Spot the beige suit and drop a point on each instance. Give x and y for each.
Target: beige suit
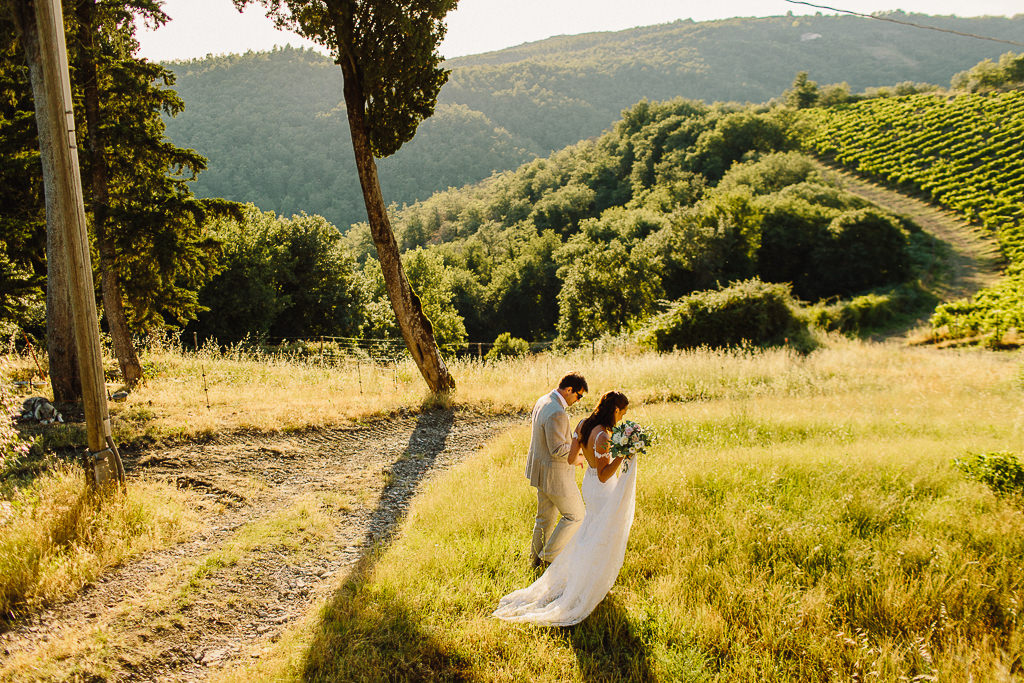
(547, 469)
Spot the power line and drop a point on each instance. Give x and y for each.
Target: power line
(906, 23)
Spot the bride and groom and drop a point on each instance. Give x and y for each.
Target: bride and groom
(581, 547)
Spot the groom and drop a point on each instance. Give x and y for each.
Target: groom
(548, 470)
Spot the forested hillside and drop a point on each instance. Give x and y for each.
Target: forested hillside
(270, 125)
(597, 239)
(965, 152)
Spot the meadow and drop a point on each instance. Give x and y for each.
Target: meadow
(800, 518)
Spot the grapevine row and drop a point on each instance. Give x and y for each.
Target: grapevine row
(967, 153)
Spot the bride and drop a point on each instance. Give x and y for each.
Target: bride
(583, 573)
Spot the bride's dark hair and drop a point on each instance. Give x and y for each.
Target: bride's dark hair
(603, 415)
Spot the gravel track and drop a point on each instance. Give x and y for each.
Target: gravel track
(221, 598)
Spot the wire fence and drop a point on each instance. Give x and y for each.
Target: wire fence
(376, 358)
(328, 350)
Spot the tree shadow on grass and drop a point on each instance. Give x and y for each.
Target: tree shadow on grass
(367, 632)
(607, 646)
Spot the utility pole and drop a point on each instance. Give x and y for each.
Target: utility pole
(102, 461)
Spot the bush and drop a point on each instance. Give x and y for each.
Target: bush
(12, 447)
(751, 311)
(507, 346)
(867, 248)
(1000, 470)
(872, 311)
(770, 173)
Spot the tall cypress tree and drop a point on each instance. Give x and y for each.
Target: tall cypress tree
(387, 51)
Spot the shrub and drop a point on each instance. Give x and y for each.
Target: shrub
(770, 173)
(750, 311)
(1000, 470)
(507, 346)
(867, 248)
(873, 310)
(12, 447)
(792, 230)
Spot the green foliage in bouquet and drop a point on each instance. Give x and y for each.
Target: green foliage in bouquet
(629, 439)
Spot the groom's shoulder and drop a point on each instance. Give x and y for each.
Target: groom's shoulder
(549, 404)
(544, 401)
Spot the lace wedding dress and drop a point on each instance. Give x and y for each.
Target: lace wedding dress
(586, 569)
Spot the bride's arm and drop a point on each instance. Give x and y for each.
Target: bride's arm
(606, 466)
(576, 448)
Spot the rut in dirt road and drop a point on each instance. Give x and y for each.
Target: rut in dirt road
(284, 518)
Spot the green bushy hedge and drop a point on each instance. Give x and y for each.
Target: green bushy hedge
(875, 310)
(507, 346)
(1001, 471)
(750, 311)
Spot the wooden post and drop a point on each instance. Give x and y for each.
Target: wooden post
(103, 462)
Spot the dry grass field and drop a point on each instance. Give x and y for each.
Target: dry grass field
(800, 518)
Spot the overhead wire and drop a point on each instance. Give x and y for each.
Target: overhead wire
(906, 23)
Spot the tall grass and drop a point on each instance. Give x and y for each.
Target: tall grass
(55, 536)
(801, 519)
(189, 395)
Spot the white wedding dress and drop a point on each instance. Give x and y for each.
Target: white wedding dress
(586, 569)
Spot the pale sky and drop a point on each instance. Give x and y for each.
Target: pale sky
(201, 27)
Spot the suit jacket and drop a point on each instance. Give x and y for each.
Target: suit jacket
(547, 467)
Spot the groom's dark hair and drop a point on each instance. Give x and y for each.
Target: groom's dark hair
(574, 381)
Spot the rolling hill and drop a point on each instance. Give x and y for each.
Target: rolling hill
(271, 125)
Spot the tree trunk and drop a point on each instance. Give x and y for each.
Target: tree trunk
(110, 283)
(416, 328)
(60, 332)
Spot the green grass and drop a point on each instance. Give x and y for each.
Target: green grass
(56, 537)
(800, 519)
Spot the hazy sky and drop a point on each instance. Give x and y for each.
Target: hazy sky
(201, 27)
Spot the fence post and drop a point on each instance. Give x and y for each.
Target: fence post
(321, 350)
(480, 351)
(359, 374)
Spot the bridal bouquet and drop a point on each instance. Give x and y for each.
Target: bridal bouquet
(629, 439)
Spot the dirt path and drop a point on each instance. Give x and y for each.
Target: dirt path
(283, 519)
(973, 261)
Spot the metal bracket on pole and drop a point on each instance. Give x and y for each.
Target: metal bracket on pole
(104, 468)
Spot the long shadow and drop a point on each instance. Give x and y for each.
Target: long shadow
(607, 646)
(369, 634)
(426, 443)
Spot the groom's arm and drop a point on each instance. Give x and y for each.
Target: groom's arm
(556, 429)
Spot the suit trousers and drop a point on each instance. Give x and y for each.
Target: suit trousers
(550, 534)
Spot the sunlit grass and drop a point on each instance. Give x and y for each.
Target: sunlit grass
(169, 599)
(799, 520)
(190, 395)
(55, 536)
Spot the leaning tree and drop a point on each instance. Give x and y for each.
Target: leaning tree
(387, 51)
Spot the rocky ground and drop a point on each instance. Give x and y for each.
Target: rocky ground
(283, 518)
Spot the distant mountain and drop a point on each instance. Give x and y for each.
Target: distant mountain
(275, 132)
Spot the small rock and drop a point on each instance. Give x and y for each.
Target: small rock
(214, 656)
